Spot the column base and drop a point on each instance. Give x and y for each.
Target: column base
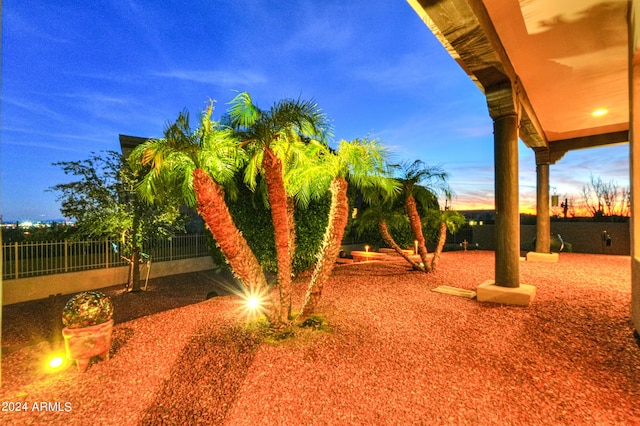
(488, 291)
(534, 256)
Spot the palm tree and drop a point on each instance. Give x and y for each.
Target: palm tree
(445, 220)
(272, 138)
(361, 163)
(200, 162)
(420, 184)
(386, 215)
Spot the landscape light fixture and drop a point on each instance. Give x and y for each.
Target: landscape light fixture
(366, 249)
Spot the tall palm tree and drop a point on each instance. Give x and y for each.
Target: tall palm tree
(200, 163)
(272, 137)
(420, 185)
(361, 163)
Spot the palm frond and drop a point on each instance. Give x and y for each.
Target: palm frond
(305, 116)
(372, 215)
(433, 178)
(309, 183)
(364, 163)
(242, 112)
(253, 168)
(426, 199)
(174, 158)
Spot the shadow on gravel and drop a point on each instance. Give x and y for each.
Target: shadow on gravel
(204, 382)
(120, 338)
(29, 323)
(168, 293)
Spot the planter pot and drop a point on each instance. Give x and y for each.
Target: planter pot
(82, 344)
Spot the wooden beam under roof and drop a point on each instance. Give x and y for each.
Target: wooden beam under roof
(557, 149)
(465, 29)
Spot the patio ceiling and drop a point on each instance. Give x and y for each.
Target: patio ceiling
(564, 60)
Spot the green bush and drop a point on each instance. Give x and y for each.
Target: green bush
(311, 224)
(253, 218)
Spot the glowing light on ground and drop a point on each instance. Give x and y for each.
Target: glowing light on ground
(252, 304)
(599, 112)
(55, 363)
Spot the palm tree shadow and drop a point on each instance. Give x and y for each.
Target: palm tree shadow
(120, 338)
(216, 359)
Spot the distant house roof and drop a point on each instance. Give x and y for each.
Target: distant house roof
(128, 143)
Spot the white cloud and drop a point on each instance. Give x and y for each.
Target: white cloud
(220, 78)
(33, 108)
(409, 72)
(39, 136)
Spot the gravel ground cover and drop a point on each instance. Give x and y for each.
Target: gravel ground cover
(394, 353)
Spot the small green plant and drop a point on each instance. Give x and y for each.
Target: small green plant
(290, 333)
(315, 322)
(87, 309)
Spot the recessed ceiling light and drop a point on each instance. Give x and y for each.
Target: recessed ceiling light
(599, 112)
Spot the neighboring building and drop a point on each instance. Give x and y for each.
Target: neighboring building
(478, 217)
(128, 143)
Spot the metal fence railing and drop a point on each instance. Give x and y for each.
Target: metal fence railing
(30, 259)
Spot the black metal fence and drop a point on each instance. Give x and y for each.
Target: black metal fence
(30, 259)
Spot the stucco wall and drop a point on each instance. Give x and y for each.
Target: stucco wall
(25, 289)
(585, 237)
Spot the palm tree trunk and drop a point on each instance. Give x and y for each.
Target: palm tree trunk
(416, 228)
(234, 247)
(442, 238)
(330, 248)
(386, 236)
(292, 226)
(277, 196)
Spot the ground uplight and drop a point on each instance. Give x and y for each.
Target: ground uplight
(55, 363)
(253, 303)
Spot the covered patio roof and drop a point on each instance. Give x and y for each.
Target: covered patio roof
(559, 75)
(568, 62)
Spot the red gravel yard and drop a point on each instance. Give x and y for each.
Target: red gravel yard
(393, 353)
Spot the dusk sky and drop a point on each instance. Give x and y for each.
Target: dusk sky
(75, 75)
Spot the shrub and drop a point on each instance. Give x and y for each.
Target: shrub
(253, 218)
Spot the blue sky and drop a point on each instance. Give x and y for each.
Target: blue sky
(75, 75)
